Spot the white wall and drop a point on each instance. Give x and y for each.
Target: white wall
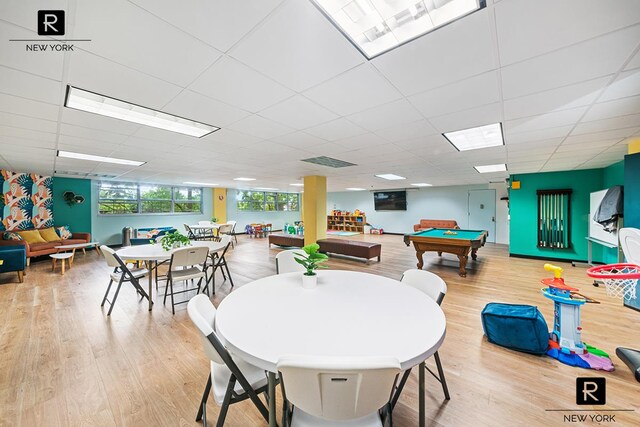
(424, 203)
(502, 212)
(276, 219)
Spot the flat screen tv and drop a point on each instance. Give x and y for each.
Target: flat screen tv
(390, 200)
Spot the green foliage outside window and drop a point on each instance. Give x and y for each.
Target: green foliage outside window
(129, 198)
(259, 201)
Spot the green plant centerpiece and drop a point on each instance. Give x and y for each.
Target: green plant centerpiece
(214, 219)
(311, 259)
(174, 239)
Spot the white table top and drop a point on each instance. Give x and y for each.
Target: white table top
(205, 227)
(156, 253)
(348, 314)
(78, 245)
(63, 255)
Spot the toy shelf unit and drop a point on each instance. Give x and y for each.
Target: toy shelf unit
(354, 223)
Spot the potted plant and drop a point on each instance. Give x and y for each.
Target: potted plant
(173, 240)
(311, 260)
(214, 220)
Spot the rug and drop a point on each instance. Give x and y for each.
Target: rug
(342, 233)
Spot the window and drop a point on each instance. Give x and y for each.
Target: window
(130, 198)
(258, 201)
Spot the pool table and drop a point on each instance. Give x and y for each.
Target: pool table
(453, 241)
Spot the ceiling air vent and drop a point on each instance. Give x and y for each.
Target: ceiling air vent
(328, 161)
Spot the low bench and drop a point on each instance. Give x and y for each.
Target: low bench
(282, 239)
(353, 248)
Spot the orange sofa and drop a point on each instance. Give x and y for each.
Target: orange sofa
(46, 248)
(435, 223)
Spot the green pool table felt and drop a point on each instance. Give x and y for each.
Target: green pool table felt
(461, 234)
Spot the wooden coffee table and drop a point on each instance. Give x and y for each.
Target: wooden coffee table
(83, 246)
(62, 257)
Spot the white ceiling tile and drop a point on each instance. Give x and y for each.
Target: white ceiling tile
(259, 126)
(461, 49)
(478, 116)
(23, 142)
(617, 107)
(564, 98)
(95, 121)
(634, 63)
(236, 84)
(141, 41)
(602, 145)
(15, 54)
(298, 47)
(626, 84)
(383, 116)
(361, 141)
(521, 34)
(298, 112)
(24, 122)
(511, 137)
(193, 106)
(92, 134)
(617, 134)
(336, 129)
(587, 60)
(36, 135)
(621, 122)
(544, 121)
(356, 90)
(227, 137)
(27, 107)
(219, 23)
(468, 93)
(404, 131)
(29, 86)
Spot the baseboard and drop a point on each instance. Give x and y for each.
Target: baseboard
(542, 258)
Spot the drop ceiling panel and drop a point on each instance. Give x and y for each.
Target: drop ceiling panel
(545, 121)
(92, 134)
(455, 52)
(11, 132)
(564, 98)
(14, 54)
(236, 84)
(194, 106)
(383, 116)
(298, 47)
(634, 63)
(95, 121)
(30, 86)
(96, 74)
(336, 129)
(354, 91)
(23, 142)
(584, 61)
(27, 107)
(226, 138)
(621, 122)
(618, 134)
(617, 107)
(142, 41)
(626, 84)
(478, 116)
(298, 112)
(24, 122)
(521, 35)
(404, 131)
(260, 127)
(511, 137)
(219, 23)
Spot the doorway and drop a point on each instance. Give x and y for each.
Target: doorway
(482, 212)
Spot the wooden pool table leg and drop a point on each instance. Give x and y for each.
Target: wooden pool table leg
(420, 262)
(474, 254)
(439, 253)
(463, 264)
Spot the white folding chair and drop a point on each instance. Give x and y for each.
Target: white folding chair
(338, 391)
(233, 230)
(436, 289)
(186, 264)
(121, 273)
(218, 261)
(286, 262)
(226, 229)
(233, 379)
(630, 243)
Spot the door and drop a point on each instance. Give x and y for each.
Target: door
(482, 212)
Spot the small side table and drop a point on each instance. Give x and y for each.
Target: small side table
(62, 257)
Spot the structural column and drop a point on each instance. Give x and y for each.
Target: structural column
(314, 211)
(220, 204)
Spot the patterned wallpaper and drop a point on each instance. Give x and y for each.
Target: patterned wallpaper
(27, 201)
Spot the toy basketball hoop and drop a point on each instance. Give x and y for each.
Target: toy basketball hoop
(619, 279)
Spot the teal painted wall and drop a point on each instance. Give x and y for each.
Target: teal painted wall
(524, 212)
(78, 217)
(613, 175)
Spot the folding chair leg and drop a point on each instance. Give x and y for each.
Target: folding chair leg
(228, 273)
(202, 410)
(173, 304)
(227, 400)
(443, 381)
(115, 297)
(106, 293)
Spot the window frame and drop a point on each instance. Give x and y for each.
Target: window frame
(139, 200)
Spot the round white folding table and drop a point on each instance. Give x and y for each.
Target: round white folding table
(152, 254)
(348, 314)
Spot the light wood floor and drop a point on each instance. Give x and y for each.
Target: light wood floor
(64, 362)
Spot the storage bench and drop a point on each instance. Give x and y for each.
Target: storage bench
(366, 250)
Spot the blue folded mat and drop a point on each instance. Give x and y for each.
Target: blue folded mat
(514, 326)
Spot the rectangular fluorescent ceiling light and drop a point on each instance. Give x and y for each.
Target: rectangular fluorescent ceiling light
(491, 168)
(421, 184)
(297, 185)
(204, 184)
(390, 176)
(377, 26)
(244, 179)
(475, 138)
(355, 189)
(72, 155)
(83, 100)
